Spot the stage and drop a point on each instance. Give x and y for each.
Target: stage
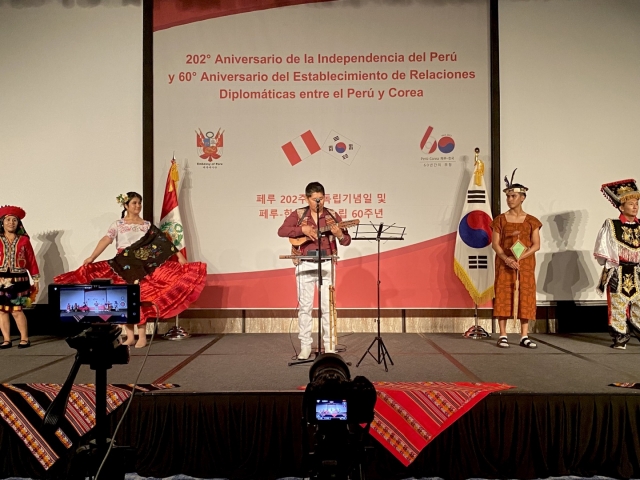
(237, 410)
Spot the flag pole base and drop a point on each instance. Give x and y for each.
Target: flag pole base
(476, 332)
(176, 333)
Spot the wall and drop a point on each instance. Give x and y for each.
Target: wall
(570, 111)
(71, 128)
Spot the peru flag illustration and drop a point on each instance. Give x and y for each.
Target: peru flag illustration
(301, 147)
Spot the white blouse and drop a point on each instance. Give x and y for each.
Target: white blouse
(126, 234)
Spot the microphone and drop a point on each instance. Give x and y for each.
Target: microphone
(317, 200)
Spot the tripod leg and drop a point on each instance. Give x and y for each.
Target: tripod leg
(386, 352)
(365, 353)
(381, 355)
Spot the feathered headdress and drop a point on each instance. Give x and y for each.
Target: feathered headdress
(513, 187)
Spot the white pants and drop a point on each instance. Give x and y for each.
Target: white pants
(307, 281)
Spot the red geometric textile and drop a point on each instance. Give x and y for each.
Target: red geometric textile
(409, 415)
(23, 407)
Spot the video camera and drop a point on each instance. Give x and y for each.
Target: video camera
(95, 310)
(337, 414)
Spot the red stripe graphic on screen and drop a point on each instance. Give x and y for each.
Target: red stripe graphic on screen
(311, 142)
(438, 287)
(169, 13)
(291, 153)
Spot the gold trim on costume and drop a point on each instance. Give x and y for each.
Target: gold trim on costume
(615, 238)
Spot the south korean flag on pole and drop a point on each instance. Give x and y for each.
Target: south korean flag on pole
(340, 147)
(473, 257)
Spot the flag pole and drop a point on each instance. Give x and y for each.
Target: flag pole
(170, 218)
(476, 331)
(176, 332)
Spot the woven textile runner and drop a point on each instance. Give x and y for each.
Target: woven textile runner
(626, 385)
(409, 415)
(23, 407)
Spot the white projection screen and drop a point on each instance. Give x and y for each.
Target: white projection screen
(381, 102)
(570, 111)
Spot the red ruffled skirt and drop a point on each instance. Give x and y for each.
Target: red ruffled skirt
(171, 286)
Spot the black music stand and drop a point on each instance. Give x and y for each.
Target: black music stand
(378, 233)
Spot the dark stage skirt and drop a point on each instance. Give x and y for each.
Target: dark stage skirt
(15, 291)
(171, 286)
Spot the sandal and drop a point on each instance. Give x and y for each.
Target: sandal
(6, 345)
(526, 343)
(27, 344)
(503, 342)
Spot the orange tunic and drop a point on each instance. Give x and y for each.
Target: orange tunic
(505, 279)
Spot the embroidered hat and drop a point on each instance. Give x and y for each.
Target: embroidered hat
(513, 187)
(17, 212)
(619, 192)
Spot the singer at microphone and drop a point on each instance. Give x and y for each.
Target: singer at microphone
(303, 227)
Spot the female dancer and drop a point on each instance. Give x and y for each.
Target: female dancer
(145, 256)
(17, 263)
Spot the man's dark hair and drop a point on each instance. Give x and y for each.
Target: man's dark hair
(314, 187)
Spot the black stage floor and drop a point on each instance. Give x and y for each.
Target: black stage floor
(237, 411)
(576, 363)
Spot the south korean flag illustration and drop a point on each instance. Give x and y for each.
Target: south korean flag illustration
(340, 147)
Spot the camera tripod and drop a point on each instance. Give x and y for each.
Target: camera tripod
(100, 348)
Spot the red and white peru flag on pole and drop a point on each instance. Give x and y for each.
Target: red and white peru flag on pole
(170, 222)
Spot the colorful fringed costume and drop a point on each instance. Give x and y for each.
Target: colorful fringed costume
(17, 263)
(617, 249)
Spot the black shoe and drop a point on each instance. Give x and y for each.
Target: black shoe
(526, 343)
(24, 345)
(6, 345)
(620, 341)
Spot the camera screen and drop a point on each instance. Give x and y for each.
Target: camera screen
(96, 303)
(331, 410)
